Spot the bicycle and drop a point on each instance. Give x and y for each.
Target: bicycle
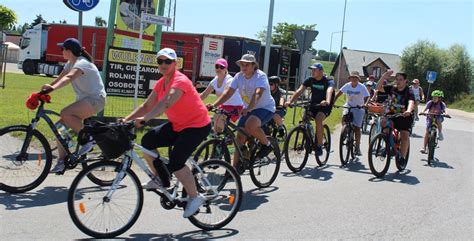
(27, 165)
(299, 142)
(347, 145)
(108, 211)
(263, 171)
(271, 129)
(376, 111)
(385, 145)
(433, 134)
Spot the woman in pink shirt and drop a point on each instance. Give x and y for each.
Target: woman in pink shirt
(189, 124)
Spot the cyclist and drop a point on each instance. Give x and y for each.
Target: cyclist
(277, 95)
(357, 95)
(438, 107)
(175, 95)
(369, 84)
(322, 92)
(400, 100)
(418, 93)
(221, 82)
(259, 105)
(85, 79)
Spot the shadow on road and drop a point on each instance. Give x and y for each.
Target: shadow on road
(256, 197)
(317, 173)
(356, 166)
(192, 235)
(437, 163)
(398, 177)
(44, 197)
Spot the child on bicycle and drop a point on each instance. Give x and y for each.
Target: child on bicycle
(438, 107)
(277, 95)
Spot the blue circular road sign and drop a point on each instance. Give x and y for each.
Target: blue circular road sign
(81, 5)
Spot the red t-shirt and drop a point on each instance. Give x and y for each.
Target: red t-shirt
(189, 111)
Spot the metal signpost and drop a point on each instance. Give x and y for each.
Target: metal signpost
(151, 19)
(80, 6)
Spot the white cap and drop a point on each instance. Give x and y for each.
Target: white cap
(168, 53)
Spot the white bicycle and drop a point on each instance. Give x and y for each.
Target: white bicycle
(105, 211)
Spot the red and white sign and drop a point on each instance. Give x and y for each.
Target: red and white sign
(212, 50)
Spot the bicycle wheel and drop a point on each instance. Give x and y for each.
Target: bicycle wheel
(323, 159)
(379, 155)
(263, 171)
(98, 215)
(223, 201)
(212, 149)
(280, 138)
(297, 148)
(365, 123)
(345, 145)
(372, 132)
(22, 172)
(432, 146)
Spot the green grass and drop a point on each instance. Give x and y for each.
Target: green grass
(465, 103)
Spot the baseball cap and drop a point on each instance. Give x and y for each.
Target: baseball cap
(71, 44)
(371, 77)
(222, 62)
(369, 83)
(415, 81)
(168, 53)
(316, 66)
(249, 58)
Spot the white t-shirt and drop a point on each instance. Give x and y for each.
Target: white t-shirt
(89, 84)
(247, 87)
(235, 99)
(416, 92)
(355, 96)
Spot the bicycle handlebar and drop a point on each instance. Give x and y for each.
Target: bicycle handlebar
(351, 107)
(433, 114)
(305, 104)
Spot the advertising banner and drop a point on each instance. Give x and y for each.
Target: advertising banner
(212, 49)
(120, 79)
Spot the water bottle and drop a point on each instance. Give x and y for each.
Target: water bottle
(64, 133)
(162, 171)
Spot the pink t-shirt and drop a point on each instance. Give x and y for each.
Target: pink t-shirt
(189, 111)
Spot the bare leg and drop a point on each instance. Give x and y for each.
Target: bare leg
(319, 127)
(185, 176)
(252, 126)
(405, 142)
(240, 141)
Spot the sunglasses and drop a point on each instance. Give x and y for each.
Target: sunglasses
(165, 61)
(219, 66)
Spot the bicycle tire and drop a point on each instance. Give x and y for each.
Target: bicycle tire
(233, 196)
(379, 147)
(323, 159)
(258, 167)
(78, 210)
(293, 147)
(209, 149)
(432, 146)
(41, 151)
(345, 145)
(372, 132)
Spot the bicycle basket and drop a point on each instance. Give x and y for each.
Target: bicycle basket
(112, 139)
(375, 108)
(347, 118)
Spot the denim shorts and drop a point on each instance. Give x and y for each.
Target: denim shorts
(263, 114)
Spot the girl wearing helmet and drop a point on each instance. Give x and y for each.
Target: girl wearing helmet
(434, 106)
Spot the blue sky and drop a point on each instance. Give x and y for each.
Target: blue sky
(374, 25)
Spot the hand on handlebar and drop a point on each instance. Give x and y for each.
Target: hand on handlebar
(407, 114)
(324, 103)
(288, 104)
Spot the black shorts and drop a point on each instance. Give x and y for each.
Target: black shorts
(184, 142)
(326, 110)
(403, 123)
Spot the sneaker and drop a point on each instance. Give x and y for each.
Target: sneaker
(264, 151)
(319, 150)
(60, 166)
(281, 132)
(193, 205)
(86, 148)
(440, 136)
(357, 151)
(423, 151)
(151, 185)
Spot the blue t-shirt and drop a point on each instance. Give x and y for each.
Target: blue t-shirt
(247, 87)
(319, 88)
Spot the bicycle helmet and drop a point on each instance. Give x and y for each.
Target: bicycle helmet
(274, 79)
(437, 93)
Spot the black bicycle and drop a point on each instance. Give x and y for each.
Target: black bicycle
(433, 134)
(27, 156)
(301, 141)
(347, 145)
(263, 171)
(271, 129)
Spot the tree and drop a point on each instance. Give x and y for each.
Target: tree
(7, 19)
(283, 34)
(39, 19)
(100, 22)
(453, 66)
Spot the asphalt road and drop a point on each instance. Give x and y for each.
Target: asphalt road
(423, 202)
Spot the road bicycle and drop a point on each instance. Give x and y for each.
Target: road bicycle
(347, 145)
(27, 155)
(385, 145)
(263, 171)
(110, 210)
(301, 141)
(433, 134)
